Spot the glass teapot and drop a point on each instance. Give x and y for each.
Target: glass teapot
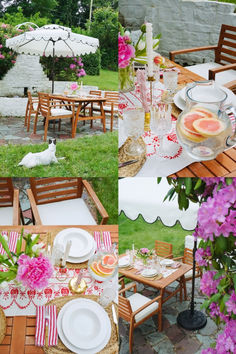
(204, 129)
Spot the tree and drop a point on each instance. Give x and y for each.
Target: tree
(31, 7)
(105, 27)
(67, 12)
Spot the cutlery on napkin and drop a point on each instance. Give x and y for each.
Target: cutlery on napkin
(46, 315)
(66, 253)
(126, 163)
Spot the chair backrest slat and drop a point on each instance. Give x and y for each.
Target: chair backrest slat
(125, 310)
(95, 92)
(6, 192)
(225, 53)
(163, 249)
(51, 190)
(188, 256)
(44, 103)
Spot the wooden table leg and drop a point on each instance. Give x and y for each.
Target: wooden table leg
(18, 335)
(103, 115)
(76, 120)
(160, 311)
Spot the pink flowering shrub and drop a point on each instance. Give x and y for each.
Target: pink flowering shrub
(216, 253)
(35, 272)
(7, 56)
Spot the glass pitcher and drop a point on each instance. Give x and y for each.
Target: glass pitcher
(204, 129)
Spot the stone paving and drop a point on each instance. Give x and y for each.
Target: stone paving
(173, 338)
(12, 130)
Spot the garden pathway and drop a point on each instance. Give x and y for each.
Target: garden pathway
(173, 339)
(12, 131)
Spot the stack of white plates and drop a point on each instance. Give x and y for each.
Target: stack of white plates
(83, 245)
(167, 262)
(124, 262)
(180, 99)
(149, 272)
(84, 326)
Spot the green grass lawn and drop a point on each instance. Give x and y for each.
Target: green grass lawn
(88, 156)
(107, 191)
(107, 80)
(143, 234)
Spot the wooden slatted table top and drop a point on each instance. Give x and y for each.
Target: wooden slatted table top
(20, 331)
(224, 165)
(78, 98)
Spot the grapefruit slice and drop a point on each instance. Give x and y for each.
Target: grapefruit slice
(94, 268)
(187, 128)
(103, 270)
(109, 261)
(208, 127)
(205, 112)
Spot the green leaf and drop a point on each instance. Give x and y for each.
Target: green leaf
(198, 184)
(5, 246)
(220, 245)
(205, 304)
(19, 243)
(188, 185)
(159, 180)
(182, 200)
(228, 181)
(234, 280)
(169, 193)
(215, 298)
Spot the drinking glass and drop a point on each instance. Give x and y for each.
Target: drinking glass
(107, 296)
(161, 124)
(170, 78)
(134, 126)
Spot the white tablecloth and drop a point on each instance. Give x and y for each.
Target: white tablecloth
(144, 196)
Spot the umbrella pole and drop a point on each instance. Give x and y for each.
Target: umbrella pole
(53, 65)
(192, 319)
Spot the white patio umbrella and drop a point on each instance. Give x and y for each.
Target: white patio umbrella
(53, 40)
(144, 196)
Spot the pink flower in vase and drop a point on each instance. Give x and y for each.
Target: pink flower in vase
(74, 86)
(126, 52)
(34, 273)
(144, 250)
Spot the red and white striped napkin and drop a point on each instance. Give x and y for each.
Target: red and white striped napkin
(107, 244)
(43, 314)
(12, 242)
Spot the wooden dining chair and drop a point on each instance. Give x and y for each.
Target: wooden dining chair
(110, 107)
(53, 109)
(58, 201)
(137, 308)
(31, 109)
(95, 93)
(10, 212)
(225, 57)
(187, 258)
(163, 249)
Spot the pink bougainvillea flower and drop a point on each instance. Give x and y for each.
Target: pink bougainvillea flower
(34, 273)
(74, 86)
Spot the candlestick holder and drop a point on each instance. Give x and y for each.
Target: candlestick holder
(77, 287)
(151, 79)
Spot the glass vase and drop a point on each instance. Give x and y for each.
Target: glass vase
(126, 78)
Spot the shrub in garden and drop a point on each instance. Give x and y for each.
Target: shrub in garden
(216, 253)
(7, 56)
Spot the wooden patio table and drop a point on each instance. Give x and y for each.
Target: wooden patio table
(20, 331)
(224, 165)
(82, 103)
(159, 284)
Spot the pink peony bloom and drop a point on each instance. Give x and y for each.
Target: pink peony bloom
(74, 86)
(144, 250)
(34, 273)
(126, 52)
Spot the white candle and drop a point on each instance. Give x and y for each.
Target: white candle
(66, 254)
(149, 43)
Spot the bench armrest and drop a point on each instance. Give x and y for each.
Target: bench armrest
(190, 50)
(33, 205)
(214, 71)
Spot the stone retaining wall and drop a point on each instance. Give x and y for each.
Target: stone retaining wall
(183, 24)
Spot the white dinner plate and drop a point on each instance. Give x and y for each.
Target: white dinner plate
(70, 346)
(85, 323)
(84, 258)
(167, 262)
(82, 241)
(149, 273)
(179, 98)
(123, 262)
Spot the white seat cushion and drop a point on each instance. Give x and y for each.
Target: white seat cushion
(60, 112)
(136, 301)
(6, 215)
(221, 78)
(66, 212)
(189, 273)
(106, 108)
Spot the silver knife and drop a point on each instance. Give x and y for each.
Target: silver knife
(126, 163)
(115, 319)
